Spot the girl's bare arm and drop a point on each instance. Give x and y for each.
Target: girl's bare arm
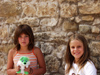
(41, 62)
(10, 64)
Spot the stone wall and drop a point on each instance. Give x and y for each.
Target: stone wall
(52, 21)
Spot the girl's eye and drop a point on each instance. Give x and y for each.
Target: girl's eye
(26, 60)
(26, 35)
(22, 60)
(72, 47)
(79, 46)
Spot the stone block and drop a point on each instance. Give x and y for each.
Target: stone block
(47, 9)
(95, 61)
(52, 63)
(89, 8)
(28, 9)
(87, 18)
(49, 21)
(95, 29)
(67, 10)
(47, 0)
(8, 9)
(78, 19)
(84, 28)
(95, 48)
(96, 21)
(47, 48)
(98, 37)
(11, 20)
(72, 0)
(34, 21)
(42, 36)
(69, 26)
(4, 32)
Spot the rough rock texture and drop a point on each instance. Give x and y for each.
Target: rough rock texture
(53, 22)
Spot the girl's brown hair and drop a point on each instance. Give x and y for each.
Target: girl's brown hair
(26, 29)
(69, 59)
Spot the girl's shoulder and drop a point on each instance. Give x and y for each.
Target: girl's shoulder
(37, 50)
(89, 68)
(12, 51)
(89, 65)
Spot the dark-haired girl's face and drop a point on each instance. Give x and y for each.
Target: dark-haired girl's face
(23, 40)
(76, 49)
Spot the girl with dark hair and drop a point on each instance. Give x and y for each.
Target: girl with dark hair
(77, 57)
(24, 46)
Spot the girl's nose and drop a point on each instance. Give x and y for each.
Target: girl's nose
(75, 48)
(23, 38)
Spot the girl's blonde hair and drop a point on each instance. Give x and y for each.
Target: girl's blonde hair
(69, 59)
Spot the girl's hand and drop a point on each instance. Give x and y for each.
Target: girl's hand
(17, 68)
(27, 69)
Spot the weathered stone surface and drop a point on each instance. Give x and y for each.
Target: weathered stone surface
(47, 9)
(95, 29)
(68, 10)
(8, 9)
(31, 21)
(28, 9)
(46, 28)
(47, 48)
(98, 37)
(95, 61)
(60, 1)
(89, 8)
(72, 0)
(2, 61)
(11, 30)
(4, 32)
(36, 29)
(53, 22)
(84, 28)
(47, 0)
(69, 26)
(78, 19)
(3, 71)
(87, 18)
(4, 42)
(11, 20)
(58, 35)
(62, 71)
(24, 0)
(69, 34)
(95, 47)
(42, 36)
(59, 52)
(6, 48)
(96, 21)
(47, 73)
(48, 21)
(53, 63)
(90, 36)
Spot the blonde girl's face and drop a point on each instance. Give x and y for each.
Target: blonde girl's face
(23, 40)
(76, 49)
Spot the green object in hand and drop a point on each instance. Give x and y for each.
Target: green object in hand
(23, 62)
